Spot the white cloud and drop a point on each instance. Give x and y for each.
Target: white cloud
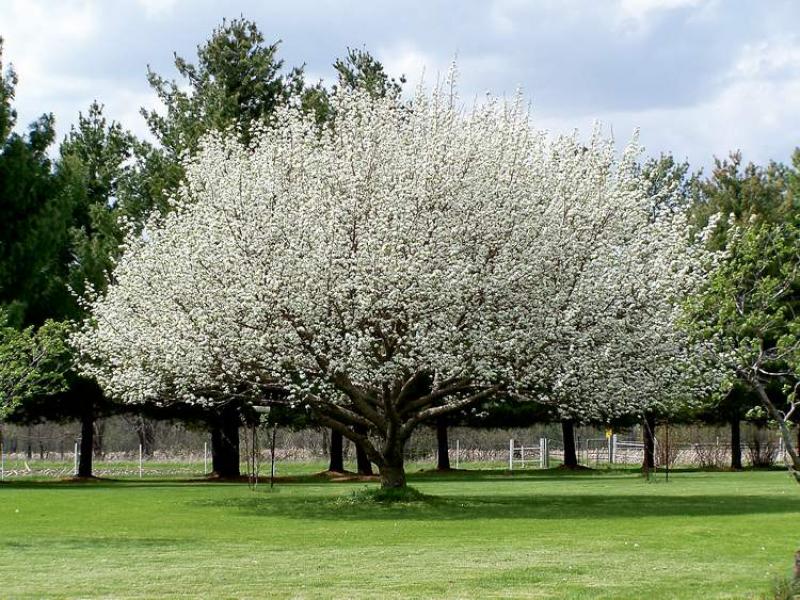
(36, 51)
(158, 9)
(754, 111)
(768, 58)
(637, 16)
(404, 58)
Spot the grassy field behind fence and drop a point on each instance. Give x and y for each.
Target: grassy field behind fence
(535, 534)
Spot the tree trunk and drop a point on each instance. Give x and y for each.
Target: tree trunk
(225, 443)
(146, 433)
(442, 445)
(336, 453)
(649, 439)
(736, 444)
(362, 460)
(392, 470)
(793, 464)
(392, 476)
(86, 445)
(568, 437)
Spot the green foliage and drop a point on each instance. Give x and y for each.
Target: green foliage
(745, 193)
(8, 84)
(238, 80)
(97, 156)
(359, 70)
(34, 217)
(33, 362)
(750, 305)
(60, 232)
(747, 311)
(749, 316)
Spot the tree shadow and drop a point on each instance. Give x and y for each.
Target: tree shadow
(97, 544)
(518, 506)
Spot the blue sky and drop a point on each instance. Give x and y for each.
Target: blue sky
(698, 77)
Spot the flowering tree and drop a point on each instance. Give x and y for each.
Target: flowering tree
(405, 263)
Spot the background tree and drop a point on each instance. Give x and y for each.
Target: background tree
(34, 217)
(749, 312)
(237, 82)
(92, 166)
(40, 202)
(742, 195)
(32, 363)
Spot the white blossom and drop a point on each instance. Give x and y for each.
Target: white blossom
(406, 261)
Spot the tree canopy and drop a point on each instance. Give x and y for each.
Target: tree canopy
(399, 265)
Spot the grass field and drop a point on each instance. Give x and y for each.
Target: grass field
(482, 535)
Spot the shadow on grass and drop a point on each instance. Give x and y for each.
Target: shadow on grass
(350, 479)
(97, 544)
(324, 477)
(521, 506)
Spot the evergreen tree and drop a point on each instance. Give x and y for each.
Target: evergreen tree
(34, 213)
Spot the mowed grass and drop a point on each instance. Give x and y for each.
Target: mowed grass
(478, 535)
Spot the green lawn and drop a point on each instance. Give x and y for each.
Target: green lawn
(484, 535)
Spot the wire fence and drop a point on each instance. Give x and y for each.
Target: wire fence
(45, 452)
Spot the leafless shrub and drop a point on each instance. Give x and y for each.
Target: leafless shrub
(762, 449)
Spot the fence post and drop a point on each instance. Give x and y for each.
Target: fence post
(614, 446)
(205, 458)
(542, 453)
(2, 459)
(511, 454)
(140, 461)
(75, 460)
(546, 453)
(458, 451)
(611, 449)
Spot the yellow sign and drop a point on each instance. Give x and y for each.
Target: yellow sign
(609, 433)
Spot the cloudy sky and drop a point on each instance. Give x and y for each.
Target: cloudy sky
(698, 77)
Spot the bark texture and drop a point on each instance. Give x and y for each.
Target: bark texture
(86, 445)
(225, 443)
(336, 453)
(793, 464)
(391, 413)
(362, 460)
(442, 445)
(649, 439)
(568, 438)
(736, 444)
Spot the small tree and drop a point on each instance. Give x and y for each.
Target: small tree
(749, 311)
